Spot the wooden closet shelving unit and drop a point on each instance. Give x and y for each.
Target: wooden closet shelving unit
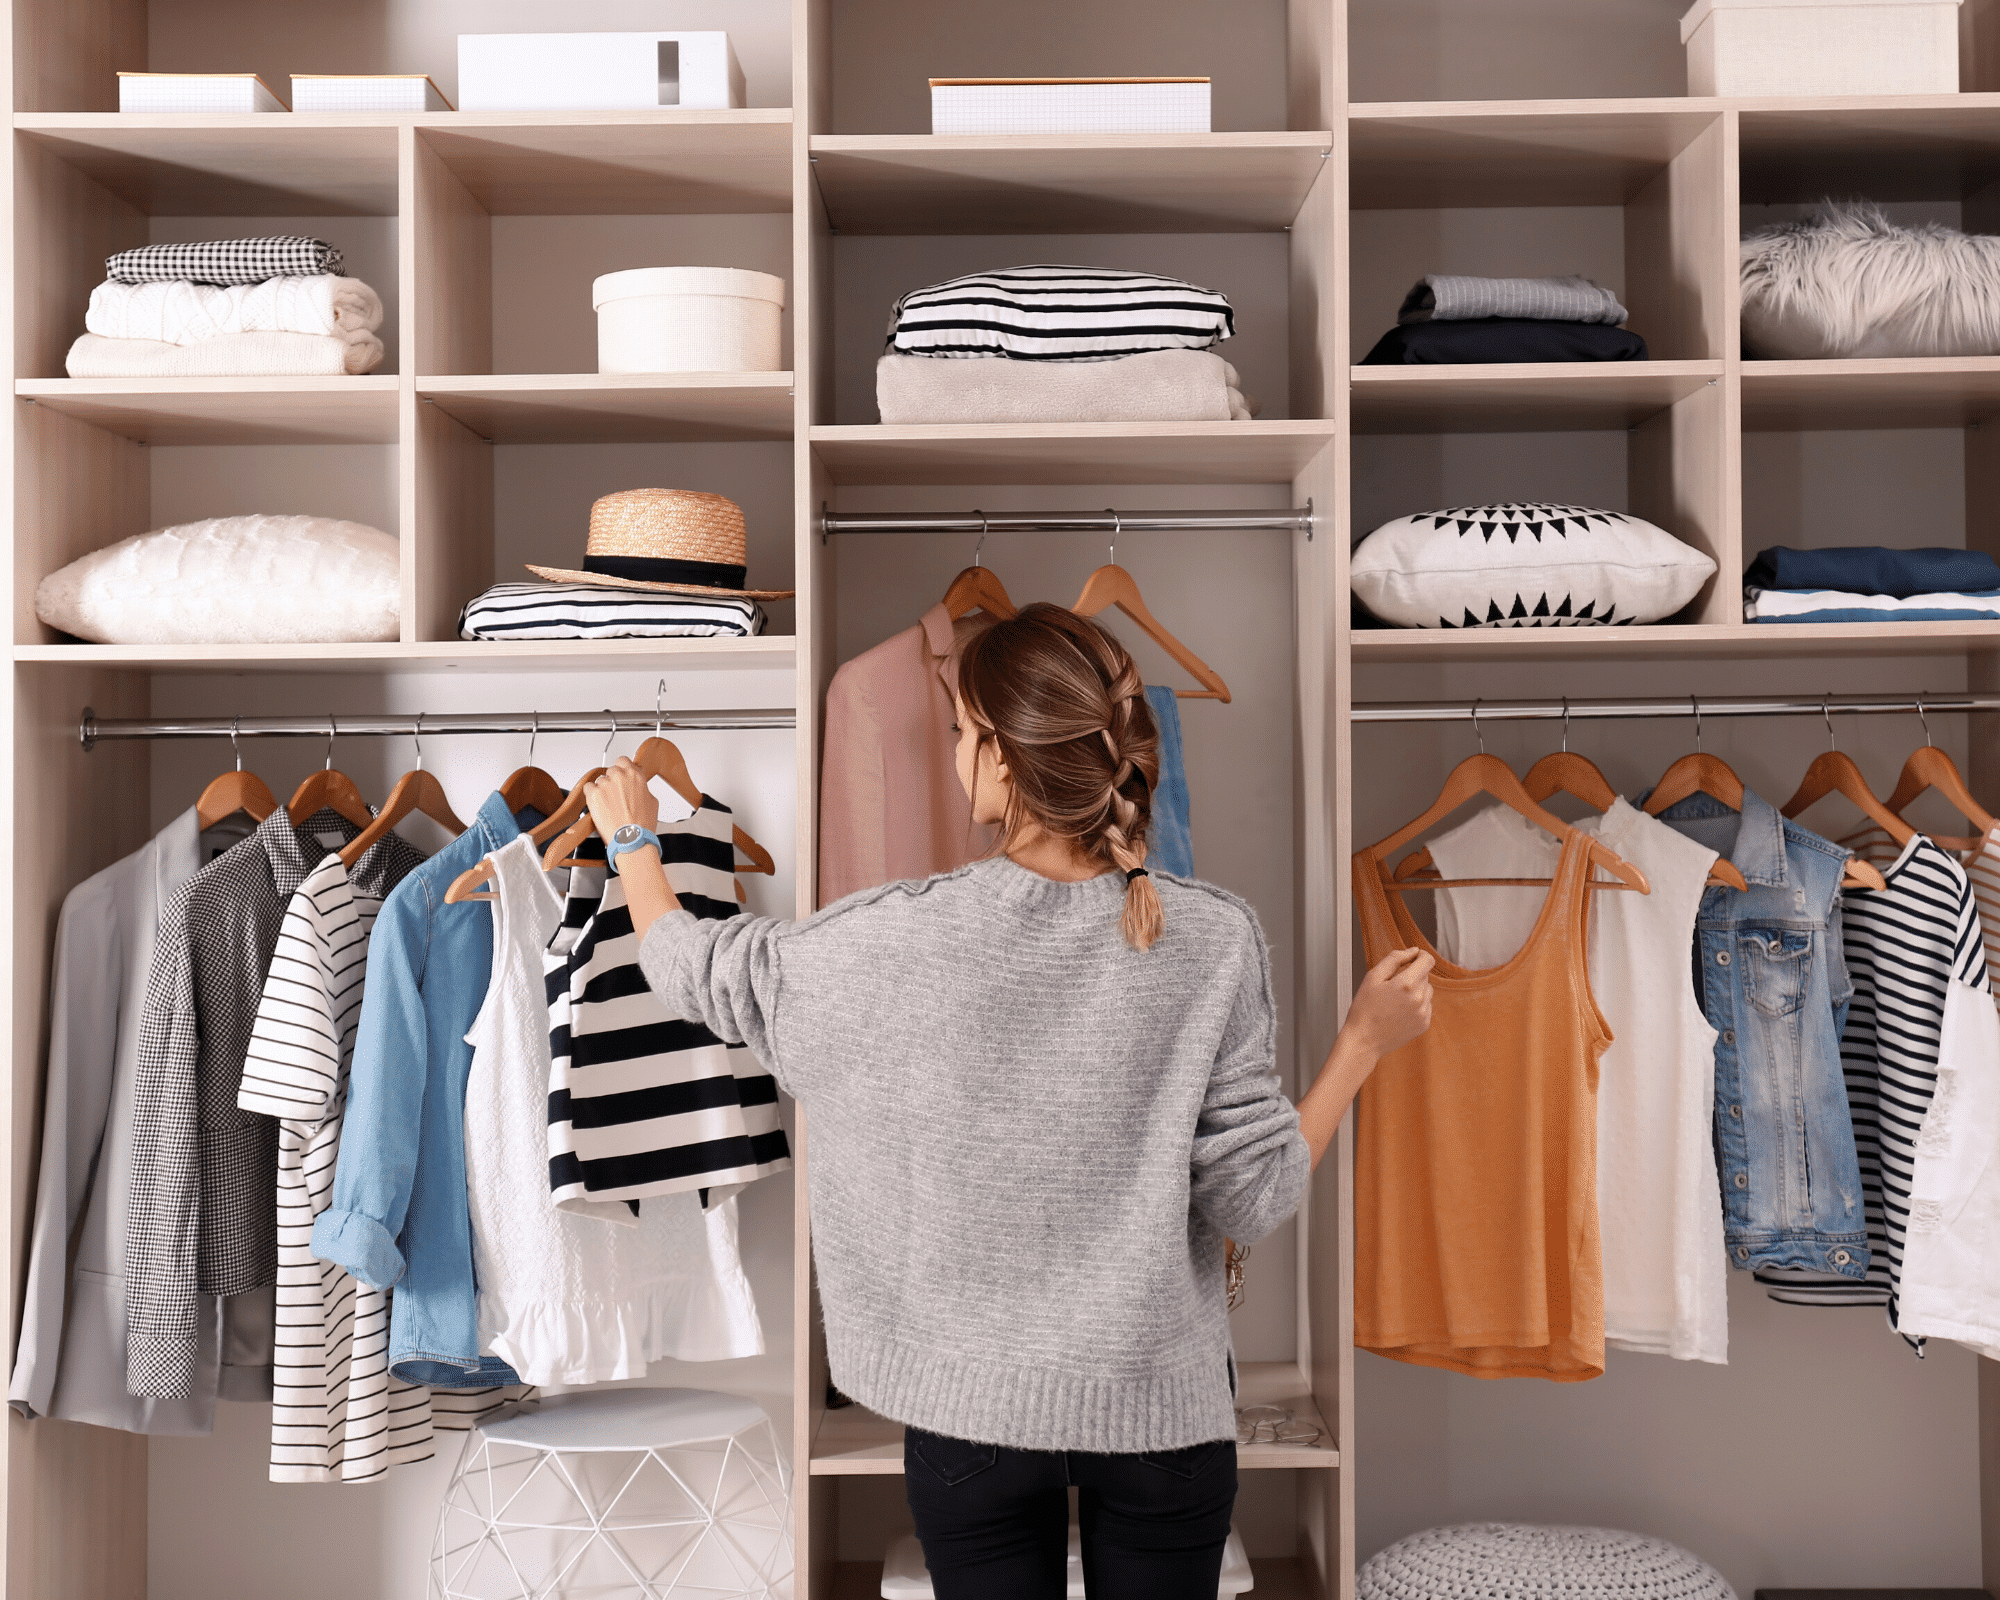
(85, 181)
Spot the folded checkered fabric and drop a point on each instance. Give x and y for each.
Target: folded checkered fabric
(598, 611)
(225, 261)
(1058, 313)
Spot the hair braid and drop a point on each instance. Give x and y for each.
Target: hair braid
(1064, 701)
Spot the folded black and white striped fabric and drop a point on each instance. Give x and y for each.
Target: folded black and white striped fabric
(1058, 313)
(597, 611)
(225, 261)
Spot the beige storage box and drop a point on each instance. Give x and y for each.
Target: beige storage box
(1821, 47)
(1069, 105)
(688, 319)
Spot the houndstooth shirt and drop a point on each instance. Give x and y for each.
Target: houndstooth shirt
(201, 1218)
(225, 261)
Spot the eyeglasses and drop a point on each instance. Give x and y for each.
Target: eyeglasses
(1274, 1425)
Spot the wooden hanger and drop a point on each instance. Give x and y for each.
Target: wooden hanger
(328, 790)
(1485, 774)
(416, 790)
(978, 588)
(1701, 773)
(1833, 772)
(1112, 585)
(1930, 768)
(529, 787)
(233, 792)
(660, 758)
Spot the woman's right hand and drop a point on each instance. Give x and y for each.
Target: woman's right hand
(1393, 1004)
(621, 796)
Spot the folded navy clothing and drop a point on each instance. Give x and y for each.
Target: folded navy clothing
(1873, 569)
(1487, 339)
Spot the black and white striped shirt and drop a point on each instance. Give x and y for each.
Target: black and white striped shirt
(641, 1102)
(1058, 313)
(1905, 945)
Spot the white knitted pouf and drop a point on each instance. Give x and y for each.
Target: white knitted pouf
(1525, 1561)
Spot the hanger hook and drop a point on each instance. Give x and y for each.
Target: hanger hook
(608, 738)
(1117, 527)
(1826, 711)
(233, 721)
(332, 733)
(659, 689)
(534, 733)
(1695, 701)
(1477, 732)
(1565, 724)
(982, 535)
(1924, 718)
(417, 734)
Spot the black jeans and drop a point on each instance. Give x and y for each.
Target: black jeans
(994, 1522)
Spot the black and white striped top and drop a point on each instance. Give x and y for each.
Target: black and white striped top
(640, 1102)
(1905, 945)
(1058, 313)
(601, 611)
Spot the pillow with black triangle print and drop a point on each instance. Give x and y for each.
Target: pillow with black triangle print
(1525, 566)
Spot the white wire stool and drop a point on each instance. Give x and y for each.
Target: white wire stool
(638, 1493)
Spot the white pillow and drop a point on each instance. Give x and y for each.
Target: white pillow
(1524, 566)
(233, 580)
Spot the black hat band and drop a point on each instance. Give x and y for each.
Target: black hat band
(665, 569)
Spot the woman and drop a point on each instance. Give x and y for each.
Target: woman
(1043, 1092)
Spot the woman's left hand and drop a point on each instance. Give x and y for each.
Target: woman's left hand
(619, 797)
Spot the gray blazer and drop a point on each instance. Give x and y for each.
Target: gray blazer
(72, 1365)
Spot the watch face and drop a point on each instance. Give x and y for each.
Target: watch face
(631, 833)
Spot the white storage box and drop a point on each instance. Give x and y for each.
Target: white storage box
(688, 319)
(1821, 47)
(597, 72)
(905, 1577)
(1069, 105)
(393, 91)
(195, 91)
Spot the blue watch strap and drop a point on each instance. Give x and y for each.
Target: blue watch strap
(646, 837)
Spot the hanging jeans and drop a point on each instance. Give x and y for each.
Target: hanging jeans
(994, 1521)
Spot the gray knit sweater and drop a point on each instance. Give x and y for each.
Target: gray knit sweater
(1028, 1141)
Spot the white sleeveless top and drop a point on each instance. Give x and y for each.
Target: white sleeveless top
(563, 1297)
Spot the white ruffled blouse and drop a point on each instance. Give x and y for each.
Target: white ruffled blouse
(564, 1297)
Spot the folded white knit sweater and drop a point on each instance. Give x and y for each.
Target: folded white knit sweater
(182, 313)
(227, 355)
(1159, 386)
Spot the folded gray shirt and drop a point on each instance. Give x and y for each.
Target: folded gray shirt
(1028, 1141)
(1444, 298)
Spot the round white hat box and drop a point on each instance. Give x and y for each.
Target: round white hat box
(688, 319)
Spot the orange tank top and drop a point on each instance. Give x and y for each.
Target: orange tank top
(1476, 1245)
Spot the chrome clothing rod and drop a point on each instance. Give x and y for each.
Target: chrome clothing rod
(1297, 519)
(94, 728)
(1583, 709)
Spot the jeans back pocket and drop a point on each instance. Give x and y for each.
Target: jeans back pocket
(1191, 1462)
(951, 1461)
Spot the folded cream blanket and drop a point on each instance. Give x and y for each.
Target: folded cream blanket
(182, 313)
(228, 355)
(1159, 386)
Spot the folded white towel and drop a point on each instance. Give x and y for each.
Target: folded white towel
(1159, 386)
(228, 355)
(182, 313)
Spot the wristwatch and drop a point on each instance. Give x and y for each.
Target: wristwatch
(628, 838)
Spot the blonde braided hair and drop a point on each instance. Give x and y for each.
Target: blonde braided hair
(1064, 702)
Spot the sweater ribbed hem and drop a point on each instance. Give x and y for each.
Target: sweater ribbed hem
(1033, 1408)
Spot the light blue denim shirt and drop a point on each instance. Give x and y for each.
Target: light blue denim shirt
(1771, 978)
(399, 1215)
(1171, 847)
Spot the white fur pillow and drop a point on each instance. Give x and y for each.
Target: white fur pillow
(1524, 566)
(1849, 282)
(233, 580)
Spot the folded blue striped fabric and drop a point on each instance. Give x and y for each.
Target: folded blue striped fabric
(1840, 605)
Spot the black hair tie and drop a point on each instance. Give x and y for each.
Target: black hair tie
(1137, 872)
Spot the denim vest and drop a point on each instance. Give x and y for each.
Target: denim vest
(1772, 981)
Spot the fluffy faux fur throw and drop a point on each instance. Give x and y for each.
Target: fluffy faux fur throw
(1849, 282)
(233, 580)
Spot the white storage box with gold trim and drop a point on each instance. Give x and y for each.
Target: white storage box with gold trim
(1821, 47)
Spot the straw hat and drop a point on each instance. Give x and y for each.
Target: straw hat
(677, 541)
